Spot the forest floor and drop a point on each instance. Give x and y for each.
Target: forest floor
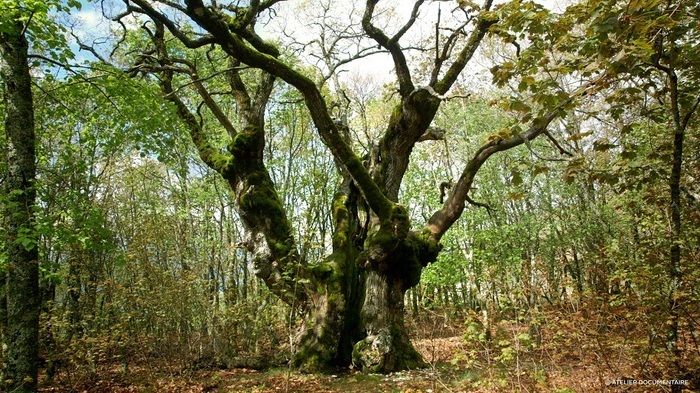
(580, 353)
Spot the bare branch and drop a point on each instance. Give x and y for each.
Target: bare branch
(557, 144)
(488, 208)
(88, 48)
(70, 69)
(411, 21)
(482, 26)
(689, 115)
(361, 54)
(208, 153)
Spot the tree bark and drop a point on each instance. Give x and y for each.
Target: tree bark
(675, 274)
(334, 323)
(21, 331)
(393, 257)
(674, 267)
(387, 346)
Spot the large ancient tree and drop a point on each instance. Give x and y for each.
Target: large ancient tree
(354, 296)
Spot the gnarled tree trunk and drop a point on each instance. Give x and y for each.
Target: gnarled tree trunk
(387, 346)
(333, 325)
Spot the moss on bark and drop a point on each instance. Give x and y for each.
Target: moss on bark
(21, 327)
(386, 347)
(389, 350)
(333, 323)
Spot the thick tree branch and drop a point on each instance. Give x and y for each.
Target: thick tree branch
(453, 207)
(403, 73)
(276, 261)
(240, 92)
(263, 92)
(485, 21)
(443, 219)
(433, 134)
(236, 47)
(206, 97)
(208, 153)
(174, 30)
(212, 105)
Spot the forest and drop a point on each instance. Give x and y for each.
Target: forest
(350, 196)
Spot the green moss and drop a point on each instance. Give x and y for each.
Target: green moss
(405, 356)
(279, 248)
(339, 204)
(263, 210)
(381, 238)
(222, 163)
(259, 195)
(429, 248)
(399, 221)
(323, 270)
(310, 362)
(319, 343)
(418, 249)
(341, 217)
(246, 147)
(396, 114)
(399, 212)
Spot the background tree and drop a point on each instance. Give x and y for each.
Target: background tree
(21, 269)
(19, 288)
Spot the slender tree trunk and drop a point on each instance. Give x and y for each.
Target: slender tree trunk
(74, 291)
(414, 302)
(675, 261)
(680, 122)
(23, 299)
(578, 273)
(455, 297)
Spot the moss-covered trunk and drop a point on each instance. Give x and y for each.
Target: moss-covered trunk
(333, 324)
(21, 327)
(393, 257)
(387, 346)
(393, 254)
(357, 309)
(330, 329)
